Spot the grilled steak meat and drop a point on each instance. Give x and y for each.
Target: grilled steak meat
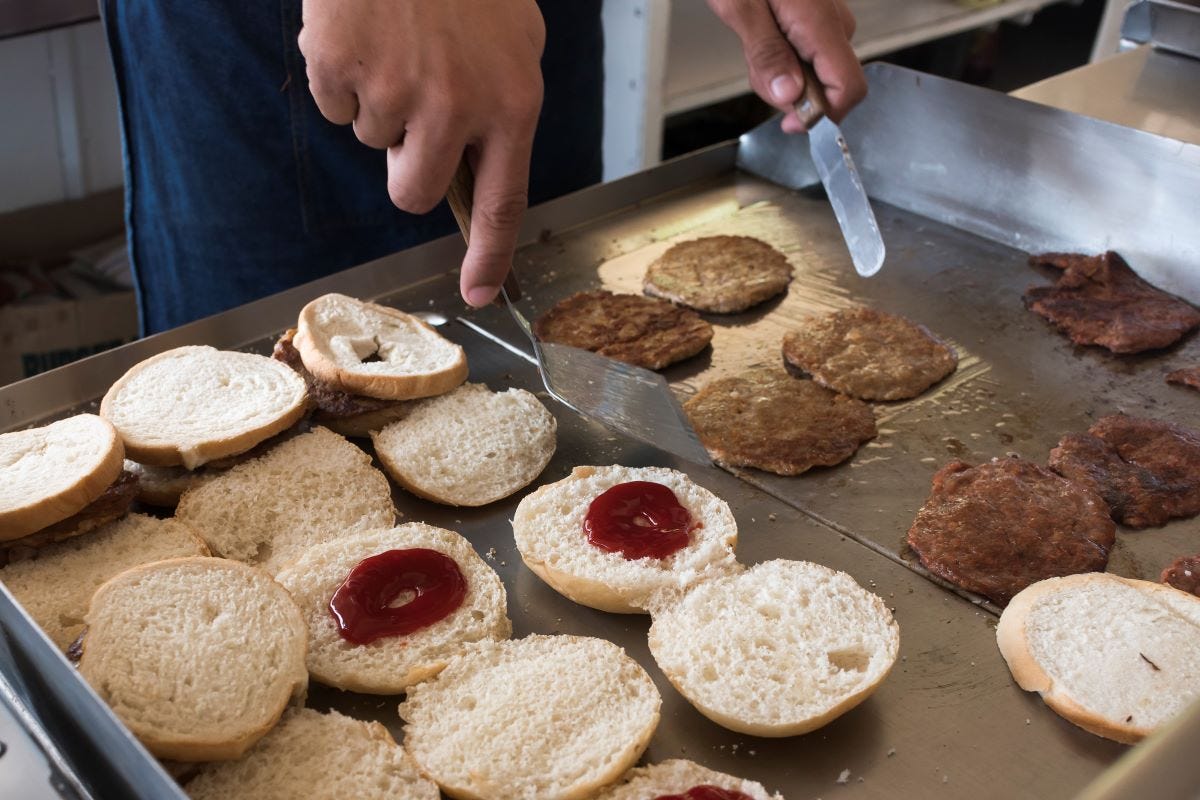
(1100, 300)
(999, 527)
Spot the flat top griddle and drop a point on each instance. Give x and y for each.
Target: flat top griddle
(949, 719)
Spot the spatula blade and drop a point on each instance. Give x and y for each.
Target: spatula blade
(628, 399)
(844, 186)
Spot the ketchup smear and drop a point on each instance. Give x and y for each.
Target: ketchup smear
(360, 606)
(706, 793)
(639, 519)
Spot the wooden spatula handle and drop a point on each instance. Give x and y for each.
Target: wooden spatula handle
(461, 196)
(813, 105)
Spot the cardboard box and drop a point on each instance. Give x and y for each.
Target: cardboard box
(40, 337)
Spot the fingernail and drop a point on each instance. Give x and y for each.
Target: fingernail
(784, 89)
(480, 296)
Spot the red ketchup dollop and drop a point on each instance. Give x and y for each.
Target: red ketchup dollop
(361, 606)
(706, 793)
(639, 519)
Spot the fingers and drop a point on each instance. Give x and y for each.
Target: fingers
(817, 29)
(336, 103)
(774, 70)
(849, 23)
(501, 197)
(421, 166)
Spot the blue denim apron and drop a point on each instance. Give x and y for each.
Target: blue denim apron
(237, 187)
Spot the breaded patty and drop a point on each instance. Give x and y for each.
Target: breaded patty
(999, 527)
(1099, 300)
(644, 331)
(721, 274)
(869, 354)
(767, 419)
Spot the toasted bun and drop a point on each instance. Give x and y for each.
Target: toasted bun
(1117, 657)
(335, 333)
(194, 404)
(314, 755)
(53, 472)
(540, 718)
(56, 585)
(676, 777)
(470, 447)
(779, 650)
(309, 489)
(197, 656)
(548, 527)
(392, 664)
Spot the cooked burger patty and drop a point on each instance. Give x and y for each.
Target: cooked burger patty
(869, 354)
(329, 401)
(721, 274)
(1184, 574)
(1148, 471)
(1188, 376)
(644, 331)
(767, 419)
(1169, 452)
(999, 527)
(110, 505)
(1100, 300)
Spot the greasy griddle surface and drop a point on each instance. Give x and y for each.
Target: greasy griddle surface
(1018, 388)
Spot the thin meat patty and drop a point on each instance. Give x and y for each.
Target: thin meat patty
(1134, 495)
(1184, 574)
(1100, 300)
(643, 331)
(1188, 376)
(999, 527)
(767, 419)
(1148, 471)
(329, 401)
(721, 274)
(870, 354)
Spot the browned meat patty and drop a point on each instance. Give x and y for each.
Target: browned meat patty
(643, 331)
(869, 354)
(996, 528)
(1169, 452)
(1100, 300)
(111, 505)
(329, 401)
(1184, 574)
(1148, 471)
(722, 274)
(1188, 376)
(767, 419)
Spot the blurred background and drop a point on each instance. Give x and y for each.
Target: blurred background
(674, 82)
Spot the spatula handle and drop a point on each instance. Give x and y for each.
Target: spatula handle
(813, 105)
(461, 196)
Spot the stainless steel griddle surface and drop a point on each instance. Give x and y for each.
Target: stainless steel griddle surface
(1020, 385)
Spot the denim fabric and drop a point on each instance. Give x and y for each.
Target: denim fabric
(237, 187)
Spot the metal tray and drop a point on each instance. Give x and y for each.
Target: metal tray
(965, 174)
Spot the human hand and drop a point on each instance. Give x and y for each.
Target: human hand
(773, 32)
(426, 80)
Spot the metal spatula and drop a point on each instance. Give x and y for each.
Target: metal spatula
(628, 399)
